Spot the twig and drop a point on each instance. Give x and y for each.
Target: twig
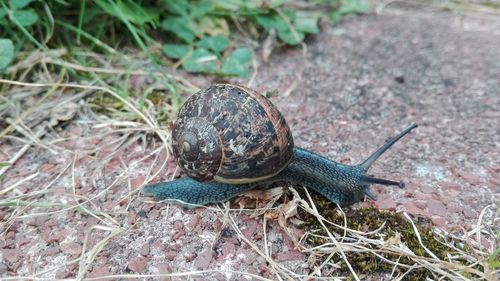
(42, 204)
(28, 178)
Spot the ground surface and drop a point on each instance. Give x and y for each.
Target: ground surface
(360, 83)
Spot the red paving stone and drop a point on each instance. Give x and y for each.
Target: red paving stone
(138, 264)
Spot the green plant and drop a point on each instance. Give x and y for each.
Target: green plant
(201, 27)
(18, 15)
(494, 260)
(6, 52)
(349, 7)
(198, 35)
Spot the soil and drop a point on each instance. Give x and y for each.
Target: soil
(361, 82)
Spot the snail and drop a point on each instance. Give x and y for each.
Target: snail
(229, 139)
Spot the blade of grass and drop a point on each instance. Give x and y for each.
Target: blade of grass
(80, 22)
(47, 205)
(90, 37)
(170, 84)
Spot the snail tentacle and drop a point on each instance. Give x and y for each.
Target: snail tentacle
(366, 164)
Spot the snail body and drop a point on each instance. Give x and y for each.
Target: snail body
(229, 139)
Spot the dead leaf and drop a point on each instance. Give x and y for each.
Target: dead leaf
(252, 199)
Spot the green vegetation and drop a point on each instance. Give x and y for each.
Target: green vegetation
(206, 36)
(109, 42)
(494, 260)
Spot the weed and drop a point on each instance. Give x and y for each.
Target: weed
(198, 35)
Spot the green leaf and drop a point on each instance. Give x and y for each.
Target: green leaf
(493, 262)
(291, 38)
(269, 22)
(201, 60)
(4, 164)
(350, 7)
(355, 6)
(19, 4)
(3, 12)
(290, 14)
(175, 51)
(217, 43)
(237, 62)
(201, 9)
(179, 26)
(6, 52)
(129, 11)
(284, 33)
(229, 5)
(178, 7)
(26, 17)
(307, 25)
(136, 13)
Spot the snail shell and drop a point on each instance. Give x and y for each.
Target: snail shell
(231, 134)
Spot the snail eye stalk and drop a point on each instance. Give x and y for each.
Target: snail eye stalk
(365, 165)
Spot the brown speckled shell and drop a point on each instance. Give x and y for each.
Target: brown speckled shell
(231, 134)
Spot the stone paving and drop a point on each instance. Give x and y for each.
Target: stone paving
(365, 80)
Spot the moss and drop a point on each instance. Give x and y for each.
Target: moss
(370, 219)
(104, 103)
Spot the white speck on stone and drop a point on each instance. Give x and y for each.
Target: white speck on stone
(228, 265)
(207, 237)
(425, 170)
(177, 215)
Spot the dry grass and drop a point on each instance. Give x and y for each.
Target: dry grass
(26, 124)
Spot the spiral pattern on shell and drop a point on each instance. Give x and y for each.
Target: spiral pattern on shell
(231, 134)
